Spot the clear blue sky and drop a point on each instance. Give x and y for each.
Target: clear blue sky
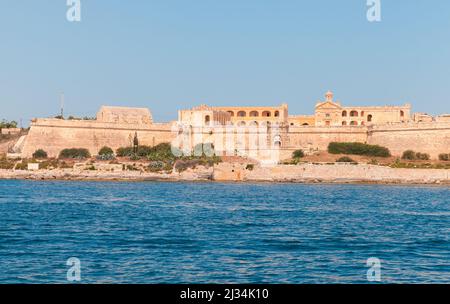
(173, 54)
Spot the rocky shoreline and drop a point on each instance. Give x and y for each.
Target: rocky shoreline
(77, 175)
(229, 172)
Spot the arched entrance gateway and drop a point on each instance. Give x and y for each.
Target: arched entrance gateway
(277, 141)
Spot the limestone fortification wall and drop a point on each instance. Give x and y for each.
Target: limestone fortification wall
(54, 135)
(432, 138)
(318, 138)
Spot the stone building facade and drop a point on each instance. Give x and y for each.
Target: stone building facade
(332, 113)
(327, 113)
(124, 115)
(204, 115)
(245, 116)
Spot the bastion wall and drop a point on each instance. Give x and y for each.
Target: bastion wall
(317, 138)
(54, 135)
(432, 137)
(427, 137)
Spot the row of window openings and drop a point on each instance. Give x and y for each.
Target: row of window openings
(355, 114)
(369, 117)
(240, 123)
(255, 114)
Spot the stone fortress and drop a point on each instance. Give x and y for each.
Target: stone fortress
(394, 127)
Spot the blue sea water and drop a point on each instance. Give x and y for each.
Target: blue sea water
(156, 232)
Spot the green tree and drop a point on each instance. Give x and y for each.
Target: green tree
(40, 154)
(105, 151)
(298, 154)
(409, 155)
(75, 153)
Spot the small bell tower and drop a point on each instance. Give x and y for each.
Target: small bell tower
(329, 96)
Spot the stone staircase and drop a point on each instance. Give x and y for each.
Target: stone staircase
(15, 151)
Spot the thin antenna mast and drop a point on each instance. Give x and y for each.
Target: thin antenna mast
(62, 105)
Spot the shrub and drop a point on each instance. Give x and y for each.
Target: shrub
(65, 165)
(345, 159)
(22, 165)
(106, 151)
(49, 164)
(75, 153)
(298, 154)
(293, 161)
(134, 156)
(40, 154)
(409, 155)
(155, 166)
(444, 157)
(6, 164)
(422, 156)
(162, 152)
(124, 151)
(143, 151)
(182, 165)
(355, 148)
(373, 162)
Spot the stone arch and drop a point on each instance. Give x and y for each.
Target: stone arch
(231, 113)
(344, 123)
(241, 114)
(277, 114)
(362, 113)
(344, 113)
(207, 120)
(369, 117)
(254, 114)
(402, 113)
(266, 114)
(353, 123)
(241, 124)
(253, 123)
(277, 141)
(354, 113)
